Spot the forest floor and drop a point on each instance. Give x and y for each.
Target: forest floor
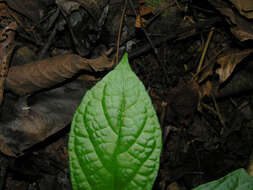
(194, 58)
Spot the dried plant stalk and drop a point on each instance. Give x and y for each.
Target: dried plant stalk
(29, 78)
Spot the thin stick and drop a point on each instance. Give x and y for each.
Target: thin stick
(205, 49)
(218, 113)
(120, 29)
(209, 63)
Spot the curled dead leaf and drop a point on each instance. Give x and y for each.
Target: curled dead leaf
(31, 120)
(245, 7)
(240, 26)
(32, 77)
(229, 60)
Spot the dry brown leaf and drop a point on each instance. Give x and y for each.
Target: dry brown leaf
(240, 26)
(68, 6)
(245, 7)
(25, 123)
(88, 77)
(206, 89)
(30, 8)
(143, 10)
(228, 62)
(242, 34)
(146, 10)
(139, 21)
(92, 6)
(47, 73)
(6, 47)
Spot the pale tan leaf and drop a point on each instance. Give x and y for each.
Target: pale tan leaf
(229, 61)
(206, 89)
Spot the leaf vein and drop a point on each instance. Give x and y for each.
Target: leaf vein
(137, 170)
(92, 142)
(139, 133)
(106, 113)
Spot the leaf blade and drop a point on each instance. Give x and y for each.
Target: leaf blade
(236, 180)
(115, 135)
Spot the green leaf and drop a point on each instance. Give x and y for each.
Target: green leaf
(236, 180)
(115, 137)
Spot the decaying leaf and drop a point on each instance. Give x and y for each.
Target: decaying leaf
(206, 89)
(6, 47)
(92, 6)
(240, 26)
(228, 62)
(146, 10)
(27, 122)
(238, 83)
(245, 7)
(30, 8)
(32, 77)
(68, 6)
(139, 21)
(143, 10)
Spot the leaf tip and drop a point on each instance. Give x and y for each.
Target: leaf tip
(124, 64)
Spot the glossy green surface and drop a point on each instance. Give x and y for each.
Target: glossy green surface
(236, 180)
(115, 138)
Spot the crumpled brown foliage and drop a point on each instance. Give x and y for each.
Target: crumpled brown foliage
(30, 8)
(240, 26)
(32, 77)
(229, 60)
(6, 47)
(245, 7)
(31, 120)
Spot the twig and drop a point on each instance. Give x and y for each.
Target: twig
(174, 35)
(195, 76)
(205, 49)
(209, 108)
(218, 113)
(120, 29)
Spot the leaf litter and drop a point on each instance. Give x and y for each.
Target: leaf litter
(201, 86)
